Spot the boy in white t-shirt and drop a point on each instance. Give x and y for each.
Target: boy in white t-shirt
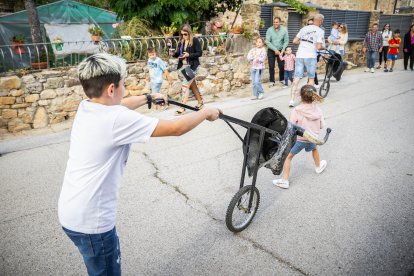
(103, 130)
(310, 39)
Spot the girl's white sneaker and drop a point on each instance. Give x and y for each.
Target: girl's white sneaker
(281, 183)
(322, 166)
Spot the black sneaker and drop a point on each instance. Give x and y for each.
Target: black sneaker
(385, 70)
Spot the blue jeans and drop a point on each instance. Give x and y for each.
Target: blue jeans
(308, 63)
(371, 59)
(288, 76)
(101, 252)
(299, 146)
(257, 81)
(156, 87)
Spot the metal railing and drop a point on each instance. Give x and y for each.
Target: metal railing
(64, 54)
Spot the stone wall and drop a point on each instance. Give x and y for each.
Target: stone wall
(39, 99)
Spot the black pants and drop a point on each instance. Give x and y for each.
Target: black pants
(271, 56)
(409, 56)
(383, 54)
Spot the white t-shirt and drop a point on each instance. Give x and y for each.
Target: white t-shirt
(99, 147)
(309, 36)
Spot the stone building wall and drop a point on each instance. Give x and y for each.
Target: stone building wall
(39, 99)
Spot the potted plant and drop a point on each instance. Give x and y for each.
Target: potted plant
(96, 33)
(17, 41)
(237, 29)
(40, 61)
(58, 42)
(195, 31)
(262, 23)
(168, 31)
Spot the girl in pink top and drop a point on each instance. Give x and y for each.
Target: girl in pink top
(257, 57)
(289, 59)
(309, 116)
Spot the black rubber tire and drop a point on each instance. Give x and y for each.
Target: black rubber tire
(244, 195)
(324, 89)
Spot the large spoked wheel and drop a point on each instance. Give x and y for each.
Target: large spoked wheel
(239, 215)
(324, 89)
(326, 84)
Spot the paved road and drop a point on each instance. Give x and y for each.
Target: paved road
(354, 219)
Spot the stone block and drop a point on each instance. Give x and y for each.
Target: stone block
(40, 118)
(58, 118)
(26, 116)
(7, 100)
(16, 125)
(9, 113)
(16, 93)
(31, 98)
(8, 83)
(202, 73)
(48, 94)
(52, 83)
(72, 73)
(47, 74)
(28, 79)
(130, 81)
(34, 87)
(63, 91)
(20, 105)
(43, 102)
(71, 82)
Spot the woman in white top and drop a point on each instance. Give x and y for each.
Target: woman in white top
(386, 35)
(339, 44)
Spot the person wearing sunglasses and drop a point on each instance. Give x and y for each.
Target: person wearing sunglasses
(386, 36)
(188, 53)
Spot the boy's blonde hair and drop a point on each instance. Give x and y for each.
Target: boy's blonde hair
(309, 94)
(100, 70)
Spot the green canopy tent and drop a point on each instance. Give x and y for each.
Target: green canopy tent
(65, 15)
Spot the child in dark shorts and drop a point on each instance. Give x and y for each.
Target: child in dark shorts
(309, 116)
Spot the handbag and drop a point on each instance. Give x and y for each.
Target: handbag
(188, 73)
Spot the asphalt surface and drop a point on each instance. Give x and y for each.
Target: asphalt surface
(356, 218)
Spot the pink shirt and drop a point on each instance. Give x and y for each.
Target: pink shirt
(257, 57)
(308, 116)
(289, 61)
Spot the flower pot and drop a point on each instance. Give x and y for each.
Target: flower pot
(59, 46)
(236, 31)
(39, 65)
(96, 39)
(17, 48)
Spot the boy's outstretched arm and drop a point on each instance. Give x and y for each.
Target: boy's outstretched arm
(134, 102)
(185, 123)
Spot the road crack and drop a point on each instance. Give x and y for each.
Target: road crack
(196, 205)
(192, 203)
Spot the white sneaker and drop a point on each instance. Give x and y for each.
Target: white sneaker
(317, 86)
(322, 166)
(281, 183)
(291, 103)
(271, 84)
(254, 98)
(285, 86)
(260, 96)
(366, 69)
(372, 70)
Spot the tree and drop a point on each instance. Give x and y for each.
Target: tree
(166, 12)
(33, 21)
